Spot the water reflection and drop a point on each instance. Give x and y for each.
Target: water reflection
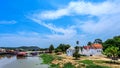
(10, 61)
(21, 57)
(6, 56)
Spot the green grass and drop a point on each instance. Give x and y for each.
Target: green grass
(54, 66)
(90, 64)
(96, 66)
(68, 65)
(47, 59)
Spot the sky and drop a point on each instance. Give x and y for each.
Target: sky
(44, 22)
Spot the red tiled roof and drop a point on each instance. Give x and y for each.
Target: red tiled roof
(93, 46)
(96, 46)
(86, 47)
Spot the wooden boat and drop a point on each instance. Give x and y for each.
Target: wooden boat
(34, 53)
(21, 54)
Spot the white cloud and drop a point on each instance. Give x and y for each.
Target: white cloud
(59, 33)
(107, 12)
(105, 24)
(8, 22)
(79, 8)
(54, 14)
(23, 33)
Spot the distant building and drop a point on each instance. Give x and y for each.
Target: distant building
(89, 50)
(2, 50)
(94, 49)
(70, 51)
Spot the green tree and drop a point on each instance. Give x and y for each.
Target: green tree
(108, 43)
(51, 48)
(66, 46)
(98, 41)
(89, 43)
(112, 51)
(77, 47)
(62, 48)
(76, 54)
(115, 41)
(77, 42)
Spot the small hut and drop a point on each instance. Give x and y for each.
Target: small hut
(70, 51)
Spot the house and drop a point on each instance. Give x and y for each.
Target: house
(89, 50)
(94, 49)
(70, 51)
(2, 50)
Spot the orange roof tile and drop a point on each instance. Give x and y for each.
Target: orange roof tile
(93, 46)
(96, 46)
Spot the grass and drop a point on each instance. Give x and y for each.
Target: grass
(90, 64)
(54, 66)
(47, 59)
(96, 66)
(68, 65)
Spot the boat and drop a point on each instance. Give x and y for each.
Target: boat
(21, 54)
(34, 53)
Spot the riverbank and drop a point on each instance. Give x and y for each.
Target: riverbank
(63, 61)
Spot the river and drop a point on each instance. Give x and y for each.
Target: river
(28, 62)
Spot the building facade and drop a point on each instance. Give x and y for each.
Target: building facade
(89, 50)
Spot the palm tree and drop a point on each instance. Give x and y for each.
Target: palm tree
(77, 42)
(76, 54)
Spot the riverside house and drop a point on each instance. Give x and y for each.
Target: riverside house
(89, 50)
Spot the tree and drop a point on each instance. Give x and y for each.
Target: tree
(77, 47)
(66, 46)
(115, 41)
(77, 42)
(89, 43)
(51, 48)
(98, 41)
(62, 48)
(76, 54)
(108, 43)
(112, 52)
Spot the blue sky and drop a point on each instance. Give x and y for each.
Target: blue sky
(44, 22)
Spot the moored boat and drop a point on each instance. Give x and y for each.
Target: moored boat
(21, 54)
